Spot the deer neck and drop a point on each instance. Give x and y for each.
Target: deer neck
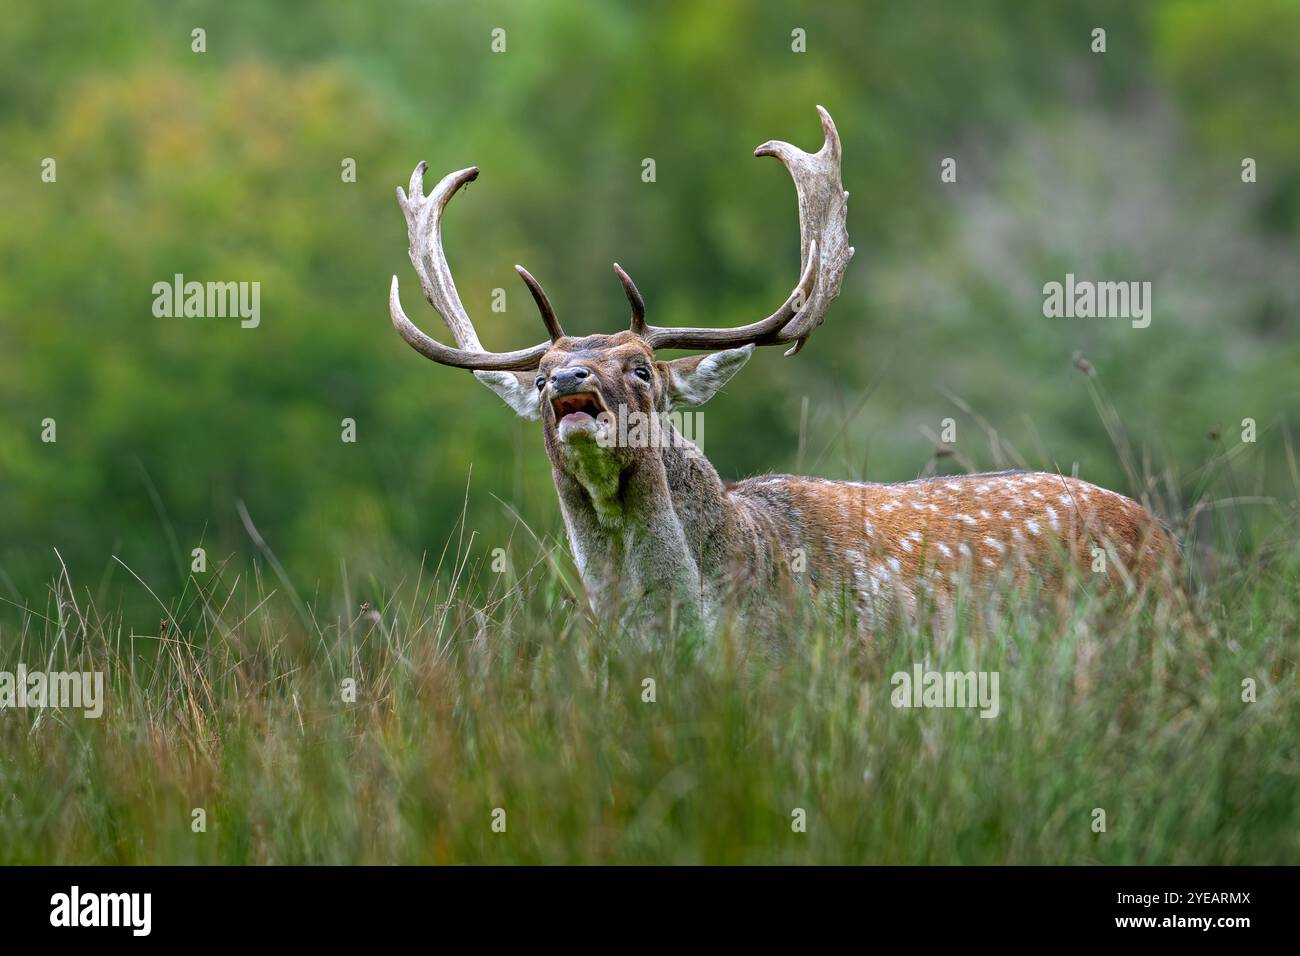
(637, 528)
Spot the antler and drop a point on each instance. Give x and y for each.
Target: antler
(424, 233)
(824, 253)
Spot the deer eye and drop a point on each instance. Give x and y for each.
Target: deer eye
(541, 382)
(642, 373)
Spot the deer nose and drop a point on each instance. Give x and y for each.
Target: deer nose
(568, 379)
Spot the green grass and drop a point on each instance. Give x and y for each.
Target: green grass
(478, 691)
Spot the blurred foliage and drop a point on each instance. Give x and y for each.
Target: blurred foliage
(225, 166)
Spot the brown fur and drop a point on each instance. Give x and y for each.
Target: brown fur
(656, 532)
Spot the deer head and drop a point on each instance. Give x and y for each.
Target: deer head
(641, 518)
(576, 385)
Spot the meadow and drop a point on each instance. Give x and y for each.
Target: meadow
(490, 719)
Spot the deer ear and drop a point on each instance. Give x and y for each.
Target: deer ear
(516, 390)
(696, 379)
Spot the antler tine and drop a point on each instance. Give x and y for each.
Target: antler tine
(424, 235)
(824, 253)
(543, 304)
(764, 332)
(634, 299)
(521, 360)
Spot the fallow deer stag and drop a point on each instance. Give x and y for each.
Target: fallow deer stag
(655, 531)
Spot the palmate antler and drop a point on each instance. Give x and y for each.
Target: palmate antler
(424, 234)
(824, 254)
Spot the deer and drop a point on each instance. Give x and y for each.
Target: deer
(661, 541)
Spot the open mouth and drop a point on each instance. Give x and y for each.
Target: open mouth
(577, 407)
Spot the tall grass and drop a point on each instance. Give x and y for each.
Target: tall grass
(485, 698)
(478, 691)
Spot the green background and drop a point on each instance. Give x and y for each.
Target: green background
(226, 166)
